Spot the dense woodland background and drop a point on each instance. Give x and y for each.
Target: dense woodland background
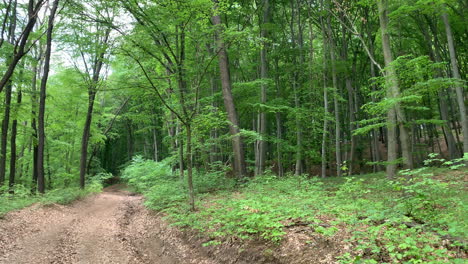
(298, 131)
(316, 87)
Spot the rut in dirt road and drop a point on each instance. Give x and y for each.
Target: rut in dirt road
(111, 227)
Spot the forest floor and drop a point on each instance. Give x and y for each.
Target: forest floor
(290, 220)
(110, 227)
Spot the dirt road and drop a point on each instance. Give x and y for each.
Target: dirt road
(111, 227)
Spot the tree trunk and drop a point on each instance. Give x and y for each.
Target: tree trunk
(456, 75)
(449, 138)
(279, 126)
(155, 145)
(395, 114)
(189, 167)
(295, 12)
(4, 136)
(335, 100)
(14, 130)
(237, 146)
(260, 154)
(34, 136)
(42, 101)
(351, 110)
(325, 103)
(376, 154)
(9, 87)
(85, 137)
(180, 145)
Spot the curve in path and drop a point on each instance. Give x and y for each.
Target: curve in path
(111, 227)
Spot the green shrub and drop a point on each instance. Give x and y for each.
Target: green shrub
(400, 221)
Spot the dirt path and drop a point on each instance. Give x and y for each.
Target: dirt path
(112, 227)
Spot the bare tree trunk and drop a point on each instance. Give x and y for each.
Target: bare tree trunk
(237, 146)
(376, 154)
(42, 101)
(456, 75)
(325, 104)
(260, 154)
(189, 167)
(155, 145)
(405, 138)
(180, 145)
(335, 100)
(395, 114)
(443, 109)
(14, 131)
(279, 126)
(85, 137)
(34, 103)
(449, 138)
(214, 152)
(351, 110)
(8, 91)
(295, 80)
(4, 136)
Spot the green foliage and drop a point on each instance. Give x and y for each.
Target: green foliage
(162, 189)
(23, 197)
(403, 220)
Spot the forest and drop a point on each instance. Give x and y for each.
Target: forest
(244, 120)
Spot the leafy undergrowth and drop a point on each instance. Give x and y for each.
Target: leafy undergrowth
(22, 197)
(418, 218)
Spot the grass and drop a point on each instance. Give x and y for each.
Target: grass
(418, 218)
(23, 198)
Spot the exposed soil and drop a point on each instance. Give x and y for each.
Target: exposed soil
(111, 227)
(115, 227)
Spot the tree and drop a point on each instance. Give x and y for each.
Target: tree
(456, 75)
(20, 45)
(234, 129)
(42, 100)
(395, 113)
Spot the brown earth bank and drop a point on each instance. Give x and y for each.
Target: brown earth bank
(115, 227)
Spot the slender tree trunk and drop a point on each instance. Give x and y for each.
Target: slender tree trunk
(237, 146)
(24, 146)
(295, 12)
(85, 137)
(42, 101)
(8, 91)
(279, 126)
(180, 145)
(172, 134)
(376, 154)
(14, 130)
(335, 100)
(443, 109)
(34, 136)
(456, 75)
(4, 136)
(260, 154)
(325, 103)
(449, 138)
(155, 145)
(214, 153)
(189, 167)
(351, 110)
